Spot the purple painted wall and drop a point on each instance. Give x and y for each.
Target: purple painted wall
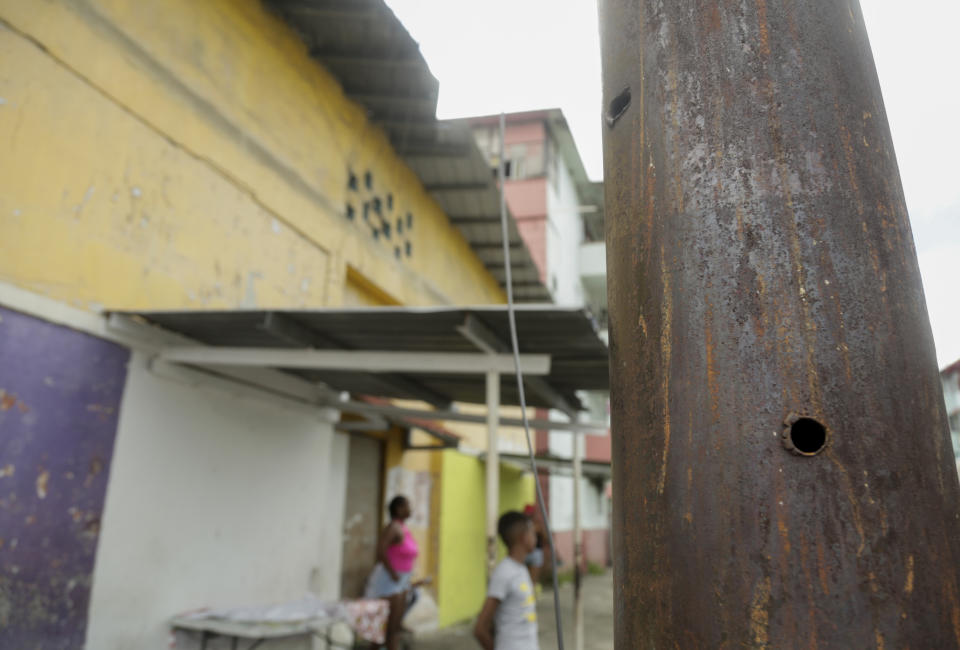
(60, 394)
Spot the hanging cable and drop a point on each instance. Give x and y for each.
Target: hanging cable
(515, 346)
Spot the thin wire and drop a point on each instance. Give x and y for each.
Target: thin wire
(511, 316)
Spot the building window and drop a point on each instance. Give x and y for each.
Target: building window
(509, 169)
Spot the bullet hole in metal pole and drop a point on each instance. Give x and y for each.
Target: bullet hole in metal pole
(618, 106)
(804, 436)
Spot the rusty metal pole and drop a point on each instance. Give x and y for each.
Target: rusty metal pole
(782, 470)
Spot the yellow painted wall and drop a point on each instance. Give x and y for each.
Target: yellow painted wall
(461, 581)
(182, 154)
(462, 572)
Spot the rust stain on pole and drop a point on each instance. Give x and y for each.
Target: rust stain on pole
(783, 472)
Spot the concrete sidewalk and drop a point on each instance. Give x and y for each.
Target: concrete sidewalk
(597, 616)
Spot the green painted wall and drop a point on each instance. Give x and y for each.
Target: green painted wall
(462, 575)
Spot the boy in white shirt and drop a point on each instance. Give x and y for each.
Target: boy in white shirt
(508, 620)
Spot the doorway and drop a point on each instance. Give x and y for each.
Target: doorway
(362, 515)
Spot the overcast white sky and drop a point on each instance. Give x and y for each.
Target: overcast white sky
(547, 55)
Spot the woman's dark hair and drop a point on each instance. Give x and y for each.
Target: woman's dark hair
(396, 503)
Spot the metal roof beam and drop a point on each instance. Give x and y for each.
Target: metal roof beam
(288, 330)
(490, 246)
(458, 187)
(350, 406)
(366, 361)
(514, 264)
(366, 423)
(418, 149)
(292, 332)
(412, 129)
(346, 8)
(562, 466)
(416, 389)
(398, 101)
(530, 283)
(474, 220)
(487, 341)
(348, 58)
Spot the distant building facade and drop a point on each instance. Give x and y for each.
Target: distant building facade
(559, 212)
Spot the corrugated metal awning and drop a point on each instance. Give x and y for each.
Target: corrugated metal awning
(578, 357)
(364, 45)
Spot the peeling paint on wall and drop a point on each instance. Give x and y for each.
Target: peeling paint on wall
(251, 168)
(59, 395)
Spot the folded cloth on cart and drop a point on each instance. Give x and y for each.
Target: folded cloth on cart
(367, 618)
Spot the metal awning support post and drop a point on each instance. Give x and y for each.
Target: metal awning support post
(782, 468)
(493, 466)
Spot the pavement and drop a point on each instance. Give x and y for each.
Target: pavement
(597, 617)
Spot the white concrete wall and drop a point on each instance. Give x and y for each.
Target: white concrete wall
(593, 275)
(593, 502)
(560, 443)
(564, 234)
(593, 260)
(219, 495)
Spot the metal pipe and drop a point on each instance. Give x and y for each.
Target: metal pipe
(782, 469)
(515, 347)
(577, 544)
(493, 466)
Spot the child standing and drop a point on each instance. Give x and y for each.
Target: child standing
(508, 620)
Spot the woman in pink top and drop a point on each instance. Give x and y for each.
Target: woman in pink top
(396, 555)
